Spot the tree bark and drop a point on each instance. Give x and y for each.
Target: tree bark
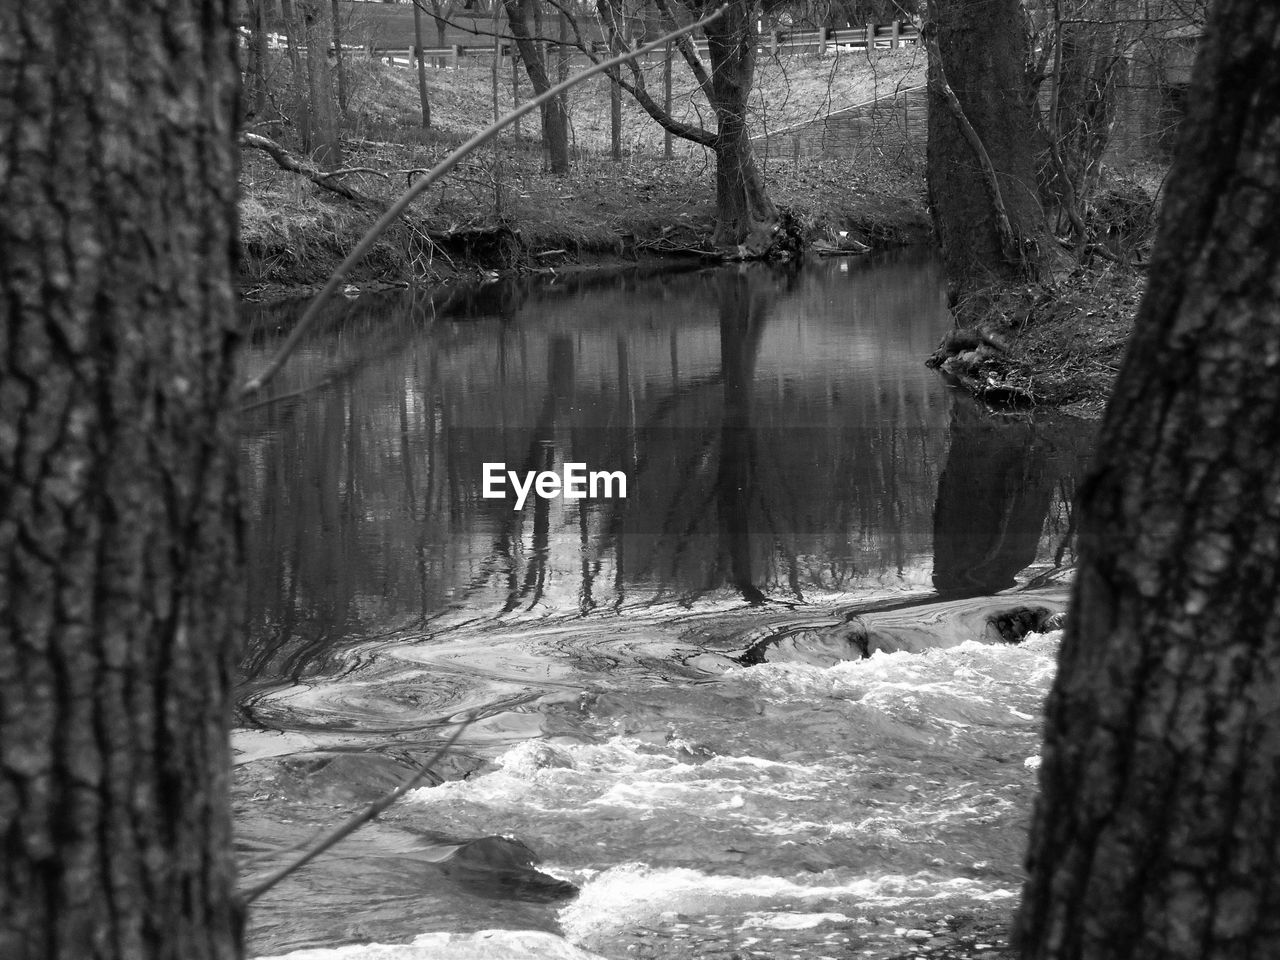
(119, 552)
(1157, 832)
(555, 122)
(980, 55)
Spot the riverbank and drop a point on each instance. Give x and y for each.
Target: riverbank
(1051, 346)
(484, 219)
(1061, 343)
(498, 211)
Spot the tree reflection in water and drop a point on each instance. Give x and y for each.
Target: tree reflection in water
(781, 438)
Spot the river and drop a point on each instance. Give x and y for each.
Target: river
(759, 706)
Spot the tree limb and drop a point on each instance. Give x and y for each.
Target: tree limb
(287, 160)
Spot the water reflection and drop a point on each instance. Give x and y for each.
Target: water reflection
(781, 438)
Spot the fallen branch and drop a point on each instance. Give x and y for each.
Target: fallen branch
(439, 170)
(287, 160)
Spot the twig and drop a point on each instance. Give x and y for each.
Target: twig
(353, 824)
(439, 170)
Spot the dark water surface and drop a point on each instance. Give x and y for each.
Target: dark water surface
(798, 485)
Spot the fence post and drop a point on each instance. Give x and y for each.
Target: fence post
(871, 37)
(822, 41)
(456, 56)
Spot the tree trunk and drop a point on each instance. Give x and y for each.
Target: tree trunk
(325, 146)
(119, 553)
(745, 216)
(256, 75)
(421, 62)
(555, 122)
(338, 55)
(1157, 832)
(978, 51)
(301, 112)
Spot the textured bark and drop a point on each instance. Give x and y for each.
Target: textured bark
(118, 543)
(983, 48)
(1156, 834)
(555, 122)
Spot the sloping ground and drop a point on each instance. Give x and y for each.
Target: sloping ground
(294, 234)
(788, 91)
(891, 128)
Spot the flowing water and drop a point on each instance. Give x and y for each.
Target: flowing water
(760, 706)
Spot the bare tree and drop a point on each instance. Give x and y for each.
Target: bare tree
(747, 222)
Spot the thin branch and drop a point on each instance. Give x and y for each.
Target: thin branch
(354, 823)
(439, 170)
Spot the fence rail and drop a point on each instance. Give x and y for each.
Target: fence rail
(887, 36)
